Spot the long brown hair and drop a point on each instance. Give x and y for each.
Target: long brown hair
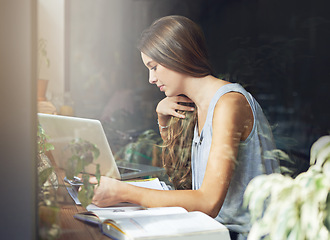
(178, 43)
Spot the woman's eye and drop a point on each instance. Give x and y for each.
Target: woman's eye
(154, 68)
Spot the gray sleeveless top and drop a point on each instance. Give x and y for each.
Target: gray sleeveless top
(251, 160)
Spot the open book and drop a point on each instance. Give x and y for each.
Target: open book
(135, 222)
(130, 221)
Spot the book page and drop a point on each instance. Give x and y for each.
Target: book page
(122, 205)
(168, 225)
(114, 213)
(152, 183)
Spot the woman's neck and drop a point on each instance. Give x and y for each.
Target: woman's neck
(201, 90)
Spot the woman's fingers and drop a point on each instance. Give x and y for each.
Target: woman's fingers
(184, 108)
(178, 115)
(106, 194)
(170, 106)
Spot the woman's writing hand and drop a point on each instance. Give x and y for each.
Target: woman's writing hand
(106, 194)
(168, 107)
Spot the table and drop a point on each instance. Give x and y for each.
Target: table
(72, 228)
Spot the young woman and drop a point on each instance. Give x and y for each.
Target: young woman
(215, 133)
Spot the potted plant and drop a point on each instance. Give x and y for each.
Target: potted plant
(282, 207)
(83, 153)
(46, 173)
(48, 183)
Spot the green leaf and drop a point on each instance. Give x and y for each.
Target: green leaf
(286, 171)
(44, 175)
(79, 167)
(49, 147)
(98, 173)
(322, 142)
(96, 152)
(296, 208)
(85, 178)
(71, 167)
(86, 158)
(278, 154)
(327, 213)
(296, 233)
(43, 145)
(85, 195)
(323, 156)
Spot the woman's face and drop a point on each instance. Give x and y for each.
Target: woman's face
(168, 81)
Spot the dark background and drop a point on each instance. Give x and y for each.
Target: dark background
(278, 50)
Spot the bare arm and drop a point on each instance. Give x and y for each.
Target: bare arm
(228, 127)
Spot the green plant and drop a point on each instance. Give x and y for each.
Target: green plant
(285, 208)
(145, 150)
(43, 145)
(48, 210)
(83, 153)
(46, 174)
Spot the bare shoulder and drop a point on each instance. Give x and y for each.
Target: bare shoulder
(234, 111)
(233, 100)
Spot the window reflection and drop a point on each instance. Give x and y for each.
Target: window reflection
(282, 60)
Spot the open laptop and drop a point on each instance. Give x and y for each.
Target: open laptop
(61, 130)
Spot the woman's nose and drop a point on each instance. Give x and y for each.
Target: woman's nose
(152, 78)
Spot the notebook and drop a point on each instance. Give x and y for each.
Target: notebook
(61, 130)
